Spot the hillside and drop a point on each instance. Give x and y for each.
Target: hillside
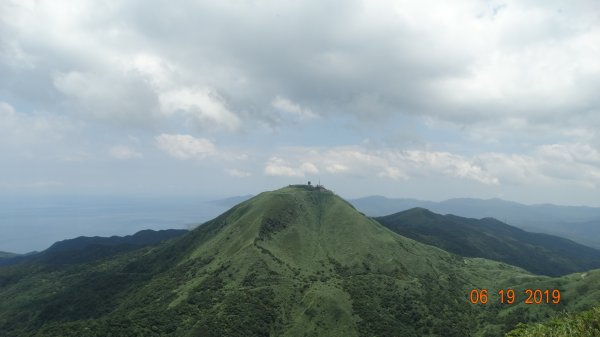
(85, 249)
(583, 324)
(581, 224)
(292, 262)
(141, 238)
(6, 254)
(489, 238)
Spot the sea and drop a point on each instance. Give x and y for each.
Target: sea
(34, 223)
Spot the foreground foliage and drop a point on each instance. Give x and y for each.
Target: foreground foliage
(585, 324)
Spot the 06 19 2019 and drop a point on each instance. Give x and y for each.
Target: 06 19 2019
(510, 296)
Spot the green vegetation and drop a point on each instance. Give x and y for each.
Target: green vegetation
(578, 223)
(86, 249)
(585, 324)
(4, 255)
(293, 262)
(492, 239)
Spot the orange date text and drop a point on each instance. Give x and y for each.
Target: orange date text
(510, 296)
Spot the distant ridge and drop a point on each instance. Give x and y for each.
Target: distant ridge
(493, 239)
(142, 238)
(578, 223)
(4, 255)
(85, 249)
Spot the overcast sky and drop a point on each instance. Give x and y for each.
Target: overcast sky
(425, 99)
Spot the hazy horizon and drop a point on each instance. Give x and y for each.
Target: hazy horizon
(31, 223)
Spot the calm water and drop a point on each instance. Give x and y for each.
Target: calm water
(28, 224)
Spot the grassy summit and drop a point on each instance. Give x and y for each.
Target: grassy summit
(298, 261)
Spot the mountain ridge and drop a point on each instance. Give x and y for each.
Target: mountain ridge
(493, 239)
(578, 223)
(85, 248)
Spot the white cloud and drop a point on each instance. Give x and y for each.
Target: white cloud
(279, 167)
(335, 168)
(448, 164)
(203, 108)
(388, 163)
(124, 152)
(293, 109)
(392, 172)
(237, 173)
(309, 168)
(185, 146)
(571, 153)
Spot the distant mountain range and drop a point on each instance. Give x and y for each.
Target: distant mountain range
(578, 223)
(492, 239)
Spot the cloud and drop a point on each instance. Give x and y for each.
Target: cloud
(237, 173)
(387, 163)
(448, 164)
(545, 165)
(124, 152)
(278, 167)
(548, 164)
(392, 172)
(472, 63)
(335, 168)
(292, 108)
(486, 93)
(202, 107)
(185, 146)
(123, 99)
(571, 153)
(21, 129)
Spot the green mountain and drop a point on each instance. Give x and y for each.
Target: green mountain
(492, 239)
(299, 261)
(578, 223)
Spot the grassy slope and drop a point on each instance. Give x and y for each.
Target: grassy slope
(286, 263)
(585, 324)
(492, 239)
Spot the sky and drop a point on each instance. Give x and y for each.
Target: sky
(422, 99)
